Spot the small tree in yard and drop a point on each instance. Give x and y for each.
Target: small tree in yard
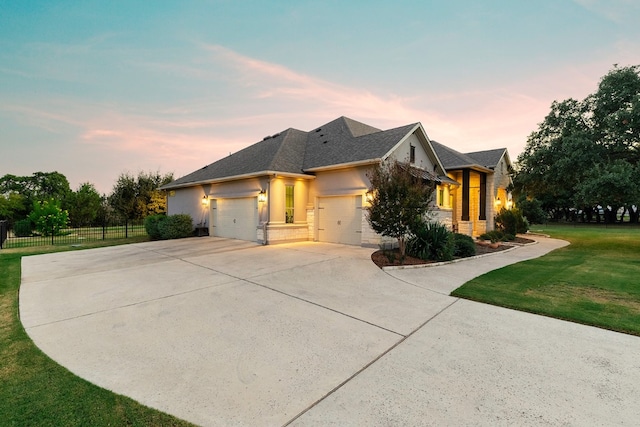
(48, 218)
(400, 199)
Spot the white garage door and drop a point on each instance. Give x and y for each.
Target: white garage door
(235, 218)
(340, 220)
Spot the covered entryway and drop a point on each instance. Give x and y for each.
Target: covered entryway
(340, 219)
(235, 218)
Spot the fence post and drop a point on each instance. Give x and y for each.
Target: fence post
(126, 228)
(104, 228)
(52, 233)
(3, 233)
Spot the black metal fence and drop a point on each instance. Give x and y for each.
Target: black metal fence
(71, 236)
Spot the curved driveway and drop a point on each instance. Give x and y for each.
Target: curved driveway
(225, 332)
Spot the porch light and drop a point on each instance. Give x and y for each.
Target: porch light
(509, 204)
(262, 196)
(498, 202)
(205, 201)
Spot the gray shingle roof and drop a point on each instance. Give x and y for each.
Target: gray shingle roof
(282, 152)
(335, 143)
(488, 158)
(340, 141)
(452, 159)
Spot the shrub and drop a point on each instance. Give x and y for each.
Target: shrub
(175, 226)
(497, 236)
(511, 221)
(431, 240)
(23, 228)
(151, 226)
(464, 245)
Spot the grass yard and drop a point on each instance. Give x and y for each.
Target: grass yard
(35, 390)
(595, 280)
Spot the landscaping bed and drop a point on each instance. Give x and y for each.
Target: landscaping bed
(391, 257)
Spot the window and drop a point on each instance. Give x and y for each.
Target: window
(288, 207)
(441, 197)
(412, 154)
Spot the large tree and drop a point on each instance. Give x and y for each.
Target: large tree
(584, 153)
(19, 193)
(400, 197)
(138, 197)
(84, 205)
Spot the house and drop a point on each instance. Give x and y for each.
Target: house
(297, 185)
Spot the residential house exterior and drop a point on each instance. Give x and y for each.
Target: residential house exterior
(298, 186)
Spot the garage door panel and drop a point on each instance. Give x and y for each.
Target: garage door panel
(235, 218)
(340, 220)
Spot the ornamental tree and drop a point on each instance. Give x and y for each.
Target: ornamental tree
(48, 218)
(400, 199)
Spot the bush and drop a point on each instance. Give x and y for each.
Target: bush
(23, 228)
(431, 241)
(497, 236)
(464, 245)
(511, 221)
(151, 226)
(175, 226)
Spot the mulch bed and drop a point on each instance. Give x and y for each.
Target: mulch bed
(381, 259)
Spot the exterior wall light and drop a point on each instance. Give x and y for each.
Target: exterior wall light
(262, 196)
(205, 201)
(498, 202)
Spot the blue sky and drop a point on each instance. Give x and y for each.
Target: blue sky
(96, 88)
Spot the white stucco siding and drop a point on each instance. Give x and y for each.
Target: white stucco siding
(188, 201)
(403, 152)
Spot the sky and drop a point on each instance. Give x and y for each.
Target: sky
(94, 89)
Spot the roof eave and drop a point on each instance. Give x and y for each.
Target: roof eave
(237, 177)
(344, 165)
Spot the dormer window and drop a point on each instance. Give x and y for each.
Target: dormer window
(412, 154)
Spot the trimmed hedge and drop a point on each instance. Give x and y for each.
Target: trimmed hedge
(23, 228)
(162, 227)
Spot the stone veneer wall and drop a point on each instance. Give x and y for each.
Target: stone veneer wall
(311, 218)
(287, 233)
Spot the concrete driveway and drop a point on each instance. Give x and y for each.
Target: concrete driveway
(225, 332)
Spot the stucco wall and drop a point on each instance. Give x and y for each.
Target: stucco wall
(188, 201)
(403, 151)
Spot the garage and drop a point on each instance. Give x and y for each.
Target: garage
(340, 219)
(235, 218)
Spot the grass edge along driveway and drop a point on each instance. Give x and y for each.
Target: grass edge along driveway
(593, 281)
(36, 390)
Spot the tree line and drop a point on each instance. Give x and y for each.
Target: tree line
(48, 195)
(583, 161)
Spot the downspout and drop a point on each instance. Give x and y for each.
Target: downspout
(265, 226)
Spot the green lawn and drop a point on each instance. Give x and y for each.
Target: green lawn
(36, 391)
(595, 280)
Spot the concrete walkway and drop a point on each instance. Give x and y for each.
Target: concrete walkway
(224, 332)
